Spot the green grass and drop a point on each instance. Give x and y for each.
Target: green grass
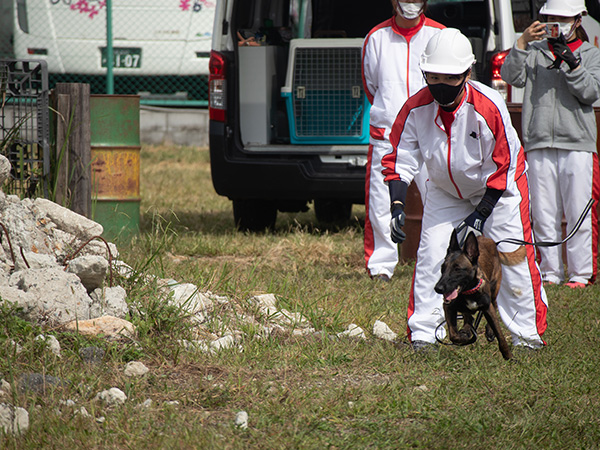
(300, 392)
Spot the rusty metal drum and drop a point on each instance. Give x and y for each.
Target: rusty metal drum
(115, 148)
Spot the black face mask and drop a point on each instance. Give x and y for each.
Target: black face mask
(445, 94)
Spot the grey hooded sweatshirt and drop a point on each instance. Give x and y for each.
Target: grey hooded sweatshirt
(557, 103)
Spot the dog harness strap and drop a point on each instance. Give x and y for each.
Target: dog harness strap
(475, 289)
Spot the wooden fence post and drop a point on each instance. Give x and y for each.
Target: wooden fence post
(74, 187)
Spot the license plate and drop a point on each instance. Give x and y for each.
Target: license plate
(124, 58)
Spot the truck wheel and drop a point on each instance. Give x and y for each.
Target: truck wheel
(254, 215)
(333, 212)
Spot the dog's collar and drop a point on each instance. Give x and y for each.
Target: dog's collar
(475, 289)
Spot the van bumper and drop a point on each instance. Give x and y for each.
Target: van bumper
(237, 174)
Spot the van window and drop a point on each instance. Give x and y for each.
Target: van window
(266, 20)
(346, 19)
(472, 18)
(593, 7)
(262, 14)
(525, 12)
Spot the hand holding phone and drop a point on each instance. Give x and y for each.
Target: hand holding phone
(552, 29)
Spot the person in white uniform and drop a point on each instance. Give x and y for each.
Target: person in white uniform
(460, 130)
(391, 74)
(561, 77)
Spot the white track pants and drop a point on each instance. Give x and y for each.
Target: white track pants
(562, 182)
(381, 254)
(521, 301)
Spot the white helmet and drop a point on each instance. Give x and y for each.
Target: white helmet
(449, 52)
(564, 8)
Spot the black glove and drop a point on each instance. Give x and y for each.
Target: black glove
(398, 189)
(474, 223)
(562, 52)
(397, 222)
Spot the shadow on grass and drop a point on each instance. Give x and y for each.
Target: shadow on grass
(221, 223)
(210, 222)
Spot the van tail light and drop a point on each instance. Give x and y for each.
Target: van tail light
(217, 87)
(497, 82)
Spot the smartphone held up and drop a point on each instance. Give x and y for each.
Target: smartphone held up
(552, 29)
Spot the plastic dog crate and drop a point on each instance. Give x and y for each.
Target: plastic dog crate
(325, 99)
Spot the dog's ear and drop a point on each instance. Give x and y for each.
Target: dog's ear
(453, 246)
(472, 248)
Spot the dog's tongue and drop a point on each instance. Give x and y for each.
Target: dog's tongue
(452, 295)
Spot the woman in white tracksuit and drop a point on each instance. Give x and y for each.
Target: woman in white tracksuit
(391, 74)
(559, 136)
(461, 131)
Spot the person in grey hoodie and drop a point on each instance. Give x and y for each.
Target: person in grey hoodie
(561, 77)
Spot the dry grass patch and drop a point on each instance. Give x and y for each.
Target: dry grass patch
(297, 390)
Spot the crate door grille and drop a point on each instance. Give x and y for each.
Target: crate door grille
(328, 97)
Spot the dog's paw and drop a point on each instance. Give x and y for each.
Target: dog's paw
(489, 334)
(466, 336)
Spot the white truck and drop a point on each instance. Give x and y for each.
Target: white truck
(158, 39)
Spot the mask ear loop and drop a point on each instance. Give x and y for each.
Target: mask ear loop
(571, 31)
(574, 26)
(463, 83)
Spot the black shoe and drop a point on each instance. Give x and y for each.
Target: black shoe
(423, 346)
(381, 277)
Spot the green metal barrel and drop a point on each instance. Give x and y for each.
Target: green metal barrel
(115, 148)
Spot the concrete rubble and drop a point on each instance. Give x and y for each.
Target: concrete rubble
(135, 369)
(13, 419)
(56, 266)
(112, 397)
(382, 331)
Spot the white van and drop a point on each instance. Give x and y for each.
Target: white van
(288, 115)
(150, 37)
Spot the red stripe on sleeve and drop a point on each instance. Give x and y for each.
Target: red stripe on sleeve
(423, 97)
(377, 133)
(387, 23)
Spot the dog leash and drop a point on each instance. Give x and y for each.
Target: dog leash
(475, 326)
(552, 244)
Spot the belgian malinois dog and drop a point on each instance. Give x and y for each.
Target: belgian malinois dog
(470, 282)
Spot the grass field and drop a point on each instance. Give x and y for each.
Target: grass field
(317, 392)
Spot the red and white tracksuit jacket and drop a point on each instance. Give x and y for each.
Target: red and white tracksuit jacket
(390, 75)
(465, 152)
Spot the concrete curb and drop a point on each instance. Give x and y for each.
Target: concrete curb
(173, 126)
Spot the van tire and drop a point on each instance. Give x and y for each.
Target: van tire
(254, 215)
(333, 212)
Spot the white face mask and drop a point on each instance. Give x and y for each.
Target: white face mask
(566, 29)
(409, 10)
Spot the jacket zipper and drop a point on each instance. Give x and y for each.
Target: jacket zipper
(449, 157)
